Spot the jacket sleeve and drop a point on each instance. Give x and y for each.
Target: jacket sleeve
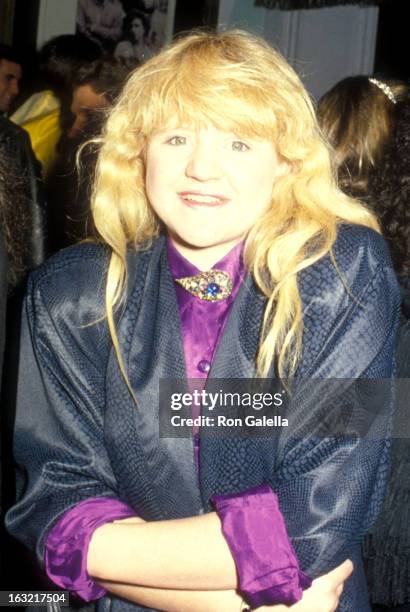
(59, 433)
(333, 459)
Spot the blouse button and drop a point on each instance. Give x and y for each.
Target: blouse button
(204, 365)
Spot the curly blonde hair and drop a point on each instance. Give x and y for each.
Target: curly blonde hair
(238, 83)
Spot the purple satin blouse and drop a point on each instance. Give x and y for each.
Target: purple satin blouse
(251, 521)
(202, 322)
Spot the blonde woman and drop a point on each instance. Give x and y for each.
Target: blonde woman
(220, 256)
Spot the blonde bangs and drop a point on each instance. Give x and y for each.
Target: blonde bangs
(189, 92)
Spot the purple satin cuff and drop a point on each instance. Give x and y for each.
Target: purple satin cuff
(66, 547)
(255, 531)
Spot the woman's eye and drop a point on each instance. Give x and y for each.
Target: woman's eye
(177, 140)
(239, 146)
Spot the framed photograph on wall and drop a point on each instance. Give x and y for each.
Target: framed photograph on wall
(133, 29)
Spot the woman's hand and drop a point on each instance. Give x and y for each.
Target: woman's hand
(322, 596)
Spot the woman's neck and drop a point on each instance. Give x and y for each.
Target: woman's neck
(203, 258)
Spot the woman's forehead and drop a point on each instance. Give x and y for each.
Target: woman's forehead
(206, 126)
(196, 122)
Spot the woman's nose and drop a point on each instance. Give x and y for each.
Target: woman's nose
(204, 164)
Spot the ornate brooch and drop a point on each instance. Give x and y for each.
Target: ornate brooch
(212, 286)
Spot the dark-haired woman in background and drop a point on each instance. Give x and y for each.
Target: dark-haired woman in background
(387, 548)
(368, 122)
(134, 44)
(357, 116)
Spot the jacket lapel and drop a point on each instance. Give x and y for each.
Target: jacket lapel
(231, 464)
(236, 351)
(160, 472)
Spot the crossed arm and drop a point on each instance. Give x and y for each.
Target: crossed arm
(185, 565)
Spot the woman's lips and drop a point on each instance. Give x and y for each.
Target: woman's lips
(193, 198)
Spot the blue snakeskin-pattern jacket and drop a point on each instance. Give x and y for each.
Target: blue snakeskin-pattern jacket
(79, 433)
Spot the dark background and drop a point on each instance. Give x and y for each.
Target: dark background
(392, 50)
(188, 14)
(393, 36)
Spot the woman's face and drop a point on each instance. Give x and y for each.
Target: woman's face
(137, 29)
(209, 187)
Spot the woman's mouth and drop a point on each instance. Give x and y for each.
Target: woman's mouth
(202, 199)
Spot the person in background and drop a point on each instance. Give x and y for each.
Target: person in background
(45, 114)
(357, 117)
(94, 88)
(15, 220)
(134, 44)
(23, 165)
(367, 120)
(22, 248)
(10, 75)
(17, 258)
(101, 21)
(225, 250)
(15, 147)
(390, 195)
(387, 549)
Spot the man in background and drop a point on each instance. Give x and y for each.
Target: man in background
(10, 75)
(94, 88)
(44, 115)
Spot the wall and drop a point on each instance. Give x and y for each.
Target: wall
(58, 17)
(323, 45)
(242, 14)
(55, 17)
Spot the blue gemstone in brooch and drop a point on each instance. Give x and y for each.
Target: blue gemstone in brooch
(212, 286)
